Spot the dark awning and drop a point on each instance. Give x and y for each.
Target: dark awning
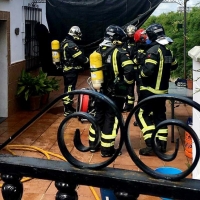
(94, 16)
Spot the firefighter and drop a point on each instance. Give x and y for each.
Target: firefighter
(118, 71)
(155, 74)
(72, 59)
(140, 38)
(131, 48)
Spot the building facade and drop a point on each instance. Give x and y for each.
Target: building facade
(18, 46)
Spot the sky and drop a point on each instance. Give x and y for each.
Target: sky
(168, 7)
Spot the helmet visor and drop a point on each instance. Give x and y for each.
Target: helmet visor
(164, 40)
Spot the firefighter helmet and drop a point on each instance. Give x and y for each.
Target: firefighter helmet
(130, 30)
(75, 32)
(140, 36)
(116, 34)
(156, 32)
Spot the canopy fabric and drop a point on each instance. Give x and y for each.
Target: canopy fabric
(94, 16)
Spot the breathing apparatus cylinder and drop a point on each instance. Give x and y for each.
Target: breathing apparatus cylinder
(96, 70)
(55, 47)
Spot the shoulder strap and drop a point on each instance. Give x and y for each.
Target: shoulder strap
(106, 52)
(154, 49)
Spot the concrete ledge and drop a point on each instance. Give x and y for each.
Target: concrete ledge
(194, 53)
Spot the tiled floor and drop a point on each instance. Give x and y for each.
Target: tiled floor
(42, 136)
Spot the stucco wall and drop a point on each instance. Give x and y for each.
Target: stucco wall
(17, 21)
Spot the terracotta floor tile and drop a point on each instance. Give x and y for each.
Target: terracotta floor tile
(32, 196)
(52, 189)
(85, 193)
(43, 134)
(48, 197)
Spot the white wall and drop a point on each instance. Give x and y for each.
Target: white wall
(194, 53)
(17, 21)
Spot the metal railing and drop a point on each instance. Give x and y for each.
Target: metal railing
(126, 184)
(32, 16)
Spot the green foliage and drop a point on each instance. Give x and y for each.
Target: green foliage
(29, 85)
(173, 23)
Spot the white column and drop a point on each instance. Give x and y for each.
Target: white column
(194, 53)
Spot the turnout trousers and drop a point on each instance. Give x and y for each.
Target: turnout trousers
(149, 116)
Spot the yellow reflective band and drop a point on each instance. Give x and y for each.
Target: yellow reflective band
(77, 54)
(91, 130)
(92, 139)
(103, 144)
(66, 98)
(147, 136)
(142, 121)
(141, 50)
(127, 81)
(142, 74)
(148, 128)
(64, 54)
(162, 138)
(114, 131)
(114, 61)
(130, 97)
(130, 101)
(163, 131)
(108, 137)
(135, 61)
(128, 62)
(69, 88)
(151, 61)
(135, 68)
(160, 70)
(67, 68)
(153, 90)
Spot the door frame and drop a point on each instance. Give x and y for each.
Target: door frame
(5, 61)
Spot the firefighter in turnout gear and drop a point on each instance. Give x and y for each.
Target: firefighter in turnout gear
(118, 74)
(131, 49)
(140, 38)
(155, 75)
(72, 59)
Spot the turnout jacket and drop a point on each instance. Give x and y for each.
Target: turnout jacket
(72, 57)
(155, 72)
(117, 64)
(130, 47)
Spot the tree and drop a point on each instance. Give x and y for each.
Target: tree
(173, 24)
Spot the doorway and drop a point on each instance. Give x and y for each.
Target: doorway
(4, 71)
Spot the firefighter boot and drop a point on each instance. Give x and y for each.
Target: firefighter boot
(94, 149)
(147, 151)
(108, 152)
(68, 109)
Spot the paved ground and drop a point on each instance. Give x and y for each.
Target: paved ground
(42, 135)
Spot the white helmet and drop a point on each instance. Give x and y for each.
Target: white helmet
(75, 32)
(130, 30)
(106, 43)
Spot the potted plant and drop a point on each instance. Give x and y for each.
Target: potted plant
(189, 80)
(31, 88)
